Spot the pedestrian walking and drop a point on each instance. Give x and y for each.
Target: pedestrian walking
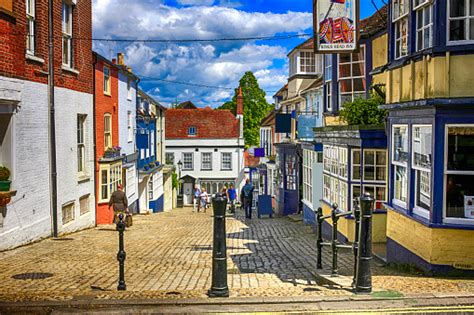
(204, 197)
(196, 199)
(232, 197)
(247, 196)
(118, 202)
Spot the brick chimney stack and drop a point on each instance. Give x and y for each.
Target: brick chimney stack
(240, 103)
(120, 59)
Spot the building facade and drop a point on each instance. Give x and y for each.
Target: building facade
(209, 146)
(24, 115)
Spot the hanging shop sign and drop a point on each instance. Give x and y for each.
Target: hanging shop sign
(336, 25)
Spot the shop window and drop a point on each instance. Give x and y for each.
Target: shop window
(290, 168)
(459, 174)
(110, 178)
(352, 84)
(424, 24)
(460, 20)
(378, 192)
(399, 162)
(421, 164)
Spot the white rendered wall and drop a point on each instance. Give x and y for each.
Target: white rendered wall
(126, 105)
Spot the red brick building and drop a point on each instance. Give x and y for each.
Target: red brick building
(25, 140)
(108, 157)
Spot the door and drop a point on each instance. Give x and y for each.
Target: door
(188, 193)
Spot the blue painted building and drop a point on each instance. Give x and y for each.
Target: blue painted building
(150, 168)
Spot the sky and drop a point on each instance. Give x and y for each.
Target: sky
(219, 64)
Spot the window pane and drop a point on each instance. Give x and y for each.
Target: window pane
(344, 58)
(400, 144)
(380, 173)
(461, 148)
(345, 71)
(381, 158)
(359, 85)
(369, 158)
(423, 189)
(358, 69)
(401, 183)
(460, 196)
(457, 8)
(356, 157)
(369, 173)
(457, 30)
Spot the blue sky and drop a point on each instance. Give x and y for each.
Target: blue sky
(209, 63)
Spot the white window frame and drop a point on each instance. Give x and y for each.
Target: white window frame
(130, 126)
(114, 178)
(224, 156)
(304, 57)
(81, 144)
(108, 131)
(416, 209)
(187, 155)
(67, 29)
(328, 81)
(400, 39)
(396, 18)
(205, 162)
(351, 76)
(152, 143)
(446, 219)
(419, 10)
(72, 206)
(467, 19)
(375, 165)
(167, 154)
(31, 26)
(309, 157)
(396, 164)
(84, 204)
(107, 80)
(375, 186)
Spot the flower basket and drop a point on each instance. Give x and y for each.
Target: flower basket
(5, 185)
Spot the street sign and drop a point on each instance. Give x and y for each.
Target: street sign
(336, 26)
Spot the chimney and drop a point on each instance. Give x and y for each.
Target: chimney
(240, 103)
(120, 59)
(114, 61)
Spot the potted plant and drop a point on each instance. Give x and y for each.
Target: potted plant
(5, 183)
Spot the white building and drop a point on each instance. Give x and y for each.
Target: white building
(209, 146)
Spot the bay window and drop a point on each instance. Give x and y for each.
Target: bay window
(67, 34)
(110, 178)
(459, 174)
(424, 24)
(307, 62)
(335, 178)
(460, 20)
(378, 192)
(421, 164)
(375, 165)
(352, 84)
(400, 163)
(30, 26)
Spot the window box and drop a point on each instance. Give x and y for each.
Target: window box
(112, 153)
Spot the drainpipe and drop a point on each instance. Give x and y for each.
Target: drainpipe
(52, 121)
(94, 122)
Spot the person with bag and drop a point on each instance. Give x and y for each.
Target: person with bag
(247, 196)
(119, 202)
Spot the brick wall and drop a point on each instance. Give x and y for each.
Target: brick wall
(13, 62)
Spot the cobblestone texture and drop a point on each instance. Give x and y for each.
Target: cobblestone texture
(169, 256)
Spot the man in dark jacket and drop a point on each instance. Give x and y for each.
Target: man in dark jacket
(247, 196)
(118, 201)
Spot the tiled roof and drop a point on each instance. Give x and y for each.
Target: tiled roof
(374, 23)
(209, 123)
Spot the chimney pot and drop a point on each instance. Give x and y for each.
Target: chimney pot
(120, 59)
(114, 61)
(240, 102)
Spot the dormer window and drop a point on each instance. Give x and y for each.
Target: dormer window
(192, 131)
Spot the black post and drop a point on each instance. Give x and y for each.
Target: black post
(364, 255)
(356, 212)
(334, 217)
(320, 238)
(121, 255)
(219, 286)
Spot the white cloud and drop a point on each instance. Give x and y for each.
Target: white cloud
(196, 2)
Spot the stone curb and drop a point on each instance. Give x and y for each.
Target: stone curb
(86, 302)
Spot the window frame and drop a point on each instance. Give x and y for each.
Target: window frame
(466, 18)
(399, 40)
(446, 172)
(397, 164)
(31, 27)
(228, 154)
(192, 131)
(130, 128)
(167, 154)
(375, 186)
(191, 154)
(309, 158)
(305, 56)
(113, 179)
(81, 144)
(108, 131)
(417, 209)
(425, 5)
(67, 34)
(88, 203)
(107, 80)
(351, 77)
(203, 168)
(328, 64)
(375, 165)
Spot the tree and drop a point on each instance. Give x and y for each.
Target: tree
(256, 108)
(364, 112)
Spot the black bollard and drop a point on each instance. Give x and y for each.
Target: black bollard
(121, 255)
(364, 256)
(334, 218)
(356, 212)
(219, 286)
(319, 242)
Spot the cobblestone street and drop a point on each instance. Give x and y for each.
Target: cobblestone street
(169, 256)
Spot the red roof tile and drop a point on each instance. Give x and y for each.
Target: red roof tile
(209, 123)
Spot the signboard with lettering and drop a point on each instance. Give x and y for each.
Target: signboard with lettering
(336, 25)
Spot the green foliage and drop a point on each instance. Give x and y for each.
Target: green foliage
(4, 173)
(364, 112)
(256, 108)
(175, 181)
